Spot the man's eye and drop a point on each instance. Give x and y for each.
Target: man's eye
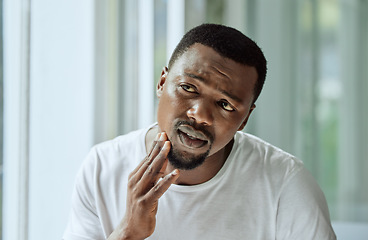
(188, 88)
(225, 105)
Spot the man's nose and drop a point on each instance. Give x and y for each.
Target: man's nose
(201, 112)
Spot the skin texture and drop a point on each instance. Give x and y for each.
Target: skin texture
(205, 95)
(197, 89)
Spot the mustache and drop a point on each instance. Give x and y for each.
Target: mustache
(196, 127)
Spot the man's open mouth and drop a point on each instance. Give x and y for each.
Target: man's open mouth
(192, 138)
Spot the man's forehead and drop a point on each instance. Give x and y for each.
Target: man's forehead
(201, 58)
(227, 90)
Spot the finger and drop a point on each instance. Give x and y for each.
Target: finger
(161, 187)
(146, 166)
(163, 168)
(146, 158)
(157, 139)
(157, 148)
(152, 174)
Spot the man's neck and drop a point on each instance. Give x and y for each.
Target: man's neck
(201, 174)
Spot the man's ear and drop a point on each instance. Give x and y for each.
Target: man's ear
(246, 119)
(161, 82)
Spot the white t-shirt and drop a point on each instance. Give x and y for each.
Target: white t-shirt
(260, 193)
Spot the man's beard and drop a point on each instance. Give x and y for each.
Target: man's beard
(180, 161)
(185, 160)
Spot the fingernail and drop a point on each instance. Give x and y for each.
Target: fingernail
(175, 172)
(162, 137)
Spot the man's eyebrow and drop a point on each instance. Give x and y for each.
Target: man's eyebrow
(232, 96)
(195, 77)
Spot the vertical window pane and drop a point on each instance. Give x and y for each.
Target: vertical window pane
(1, 119)
(160, 21)
(328, 95)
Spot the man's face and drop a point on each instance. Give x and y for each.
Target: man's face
(204, 99)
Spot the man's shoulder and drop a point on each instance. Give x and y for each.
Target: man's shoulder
(122, 142)
(123, 150)
(248, 140)
(266, 154)
(109, 158)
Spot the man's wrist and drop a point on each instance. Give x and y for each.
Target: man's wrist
(123, 233)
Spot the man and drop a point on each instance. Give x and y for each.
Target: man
(200, 178)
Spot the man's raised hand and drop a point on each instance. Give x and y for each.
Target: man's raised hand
(144, 191)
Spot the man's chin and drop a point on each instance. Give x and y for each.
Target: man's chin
(185, 160)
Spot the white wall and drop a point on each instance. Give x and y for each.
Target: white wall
(61, 110)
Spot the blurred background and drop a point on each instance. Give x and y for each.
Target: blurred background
(75, 73)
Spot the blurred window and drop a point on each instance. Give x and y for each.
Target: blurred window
(1, 118)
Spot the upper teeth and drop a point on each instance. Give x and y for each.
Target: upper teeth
(192, 133)
(190, 136)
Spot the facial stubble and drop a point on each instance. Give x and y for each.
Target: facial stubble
(185, 160)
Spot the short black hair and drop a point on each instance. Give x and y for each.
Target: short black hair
(229, 43)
